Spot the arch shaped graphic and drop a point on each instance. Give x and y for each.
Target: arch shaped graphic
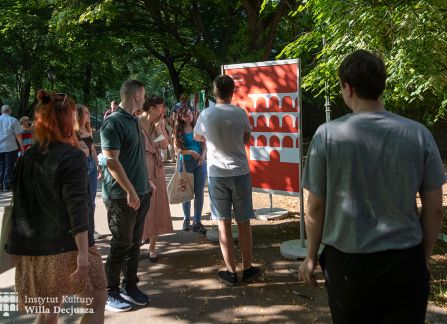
(261, 141)
(252, 141)
(274, 141)
(270, 99)
(251, 119)
(261, 121)
(273, 102)
(288, 103)
(275, 155)
(287, 142)
(289, 121)
(274, 122)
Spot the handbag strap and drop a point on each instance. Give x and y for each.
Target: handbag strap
(184, 165)
(180, 156)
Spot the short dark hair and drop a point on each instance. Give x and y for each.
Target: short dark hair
(365, 72)
(152, 102)
(223, 86)
(129, 88)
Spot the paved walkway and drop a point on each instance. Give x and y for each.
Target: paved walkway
(184, 288)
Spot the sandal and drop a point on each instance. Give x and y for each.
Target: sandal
(152, 258)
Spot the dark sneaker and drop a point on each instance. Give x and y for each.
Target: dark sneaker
(186, 225)
(227, 277)
(116, 303)
(250, 274)
(134, 295)
(199, 228)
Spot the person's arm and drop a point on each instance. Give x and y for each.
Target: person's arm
(314, 230)
(83, 147)
(173, 118)
(203, 155)
(95, 157)
(117, 171)
(204, 150)
(193, 153)
(247, 127)
(17, 129)
(19, 140)
(81, 271)
(199, 130)
(161, 130)
(431, 219)
(199, 138)
(152, 185)
(72, 173)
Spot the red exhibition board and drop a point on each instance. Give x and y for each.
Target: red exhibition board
(269, 93)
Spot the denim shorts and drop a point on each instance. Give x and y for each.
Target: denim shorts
(227, 192)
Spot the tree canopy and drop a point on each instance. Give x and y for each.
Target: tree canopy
(87, 47)
(411, 37)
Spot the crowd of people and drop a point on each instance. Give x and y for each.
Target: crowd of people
(361, 204)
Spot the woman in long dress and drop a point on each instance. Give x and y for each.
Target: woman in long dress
(158, 219)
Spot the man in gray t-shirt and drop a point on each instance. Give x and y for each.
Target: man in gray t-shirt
(363, 173)
(226, 129)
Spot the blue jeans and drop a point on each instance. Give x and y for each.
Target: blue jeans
(199, 172)
(92, 179)
(7, 161)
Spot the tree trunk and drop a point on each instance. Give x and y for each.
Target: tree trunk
(24, 99)
(86, 88)
(263, 29)
(174, 74)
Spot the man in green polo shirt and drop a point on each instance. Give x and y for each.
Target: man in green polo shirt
(126, 193)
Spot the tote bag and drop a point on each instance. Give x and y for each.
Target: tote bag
(181, 186)
(7, 261)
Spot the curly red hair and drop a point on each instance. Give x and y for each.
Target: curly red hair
(54, 119)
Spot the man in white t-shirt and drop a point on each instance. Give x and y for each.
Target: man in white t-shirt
(10, 135)
(226, 129)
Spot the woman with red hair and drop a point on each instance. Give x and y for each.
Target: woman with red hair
(52, 217)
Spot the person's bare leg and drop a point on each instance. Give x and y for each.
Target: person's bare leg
(245, 243)
(98, 306)
(227, 244)
(152, 246)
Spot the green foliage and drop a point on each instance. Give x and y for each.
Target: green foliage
(87, 47)
(410, 36)
(26, 42)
